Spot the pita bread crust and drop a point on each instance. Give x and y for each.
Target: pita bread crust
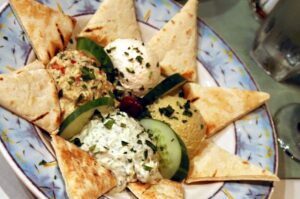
(221, 106)
(176, 43)
(83, 176)
(164, 189)
(49, 31)
(31, 94)
(215, 164)
(113, 20)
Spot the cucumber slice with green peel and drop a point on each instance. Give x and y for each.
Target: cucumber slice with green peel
(74, 123)
(168, 85)
(174, 161)
(92, 48)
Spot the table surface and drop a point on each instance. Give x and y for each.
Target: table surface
(239, 33)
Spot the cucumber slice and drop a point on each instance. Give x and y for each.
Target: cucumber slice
(73, 124)
(168, 85)
(91, 48)
(174, 162)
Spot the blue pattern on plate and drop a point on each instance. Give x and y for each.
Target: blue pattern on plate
(255, 135)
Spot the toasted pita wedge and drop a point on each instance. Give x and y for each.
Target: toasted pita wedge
(31, 93)
(176, 43)
(49, 31)
(221, 106)
(113, 20)
(215, 164)
(84, 177)
(165, 189)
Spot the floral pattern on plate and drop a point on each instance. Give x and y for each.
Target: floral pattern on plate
(254, 133)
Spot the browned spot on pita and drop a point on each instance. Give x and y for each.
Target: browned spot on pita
(188, 32)
(190, 15)
(195, 99)
(245, 162)
(61, 36)
(188, 74)
(93, 29)
(1, 78)
(215, 173)
(172, 21)
(40, 117)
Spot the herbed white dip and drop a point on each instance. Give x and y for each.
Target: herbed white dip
(123, 146)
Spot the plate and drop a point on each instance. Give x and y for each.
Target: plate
(252, 137)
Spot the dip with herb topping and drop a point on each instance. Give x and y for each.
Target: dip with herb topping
(183, 118)
(137, 66)
(123, 146)
(78, 79)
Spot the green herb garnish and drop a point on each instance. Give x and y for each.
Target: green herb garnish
(139, 59)
(167, 111)
(151, 145)
(124, 143)
(109, 123)
(147, 168)
(87, 73)
(42, 163)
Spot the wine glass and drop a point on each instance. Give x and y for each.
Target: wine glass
(277, 50)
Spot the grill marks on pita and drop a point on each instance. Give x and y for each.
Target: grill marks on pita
(84, 176)
(49, 31)
(32, 95)
(113, 20)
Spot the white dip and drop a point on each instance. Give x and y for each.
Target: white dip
(121, 145)
(138, 67)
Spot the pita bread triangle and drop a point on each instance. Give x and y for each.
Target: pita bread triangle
(113, 20)
(221, 106)
(83, 176)
(49, 31)
(32, 95)
(176, 43)
(215, 164)
(165, 189)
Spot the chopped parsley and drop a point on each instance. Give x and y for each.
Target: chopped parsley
(60, 93)
(84, 87)
(151, 145)
(139, 142)
(148, 65)
(42, 163)
(77, 142)
(87, 73)
(187, 111)
(147, 168)
(184, 121)
(145, 154)
(130, 70)
(92, 148)
(129, 160)
(109, 123)
(139, 59)
(111, 49)
(126, 53)
(167, 111)
(124, 143)
(123, 125)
